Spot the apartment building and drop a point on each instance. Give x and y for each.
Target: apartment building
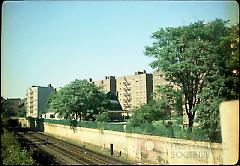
(36, 99)
(158, 79)
(134, 90)
(108, 84)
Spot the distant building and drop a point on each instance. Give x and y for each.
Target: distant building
(134, 90)
(36, 99)
(158, 79)
(50, 115)
(12, 106)
(108, 84)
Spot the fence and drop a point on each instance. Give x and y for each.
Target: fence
(75, 123)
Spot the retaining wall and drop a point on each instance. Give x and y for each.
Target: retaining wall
(154, 149)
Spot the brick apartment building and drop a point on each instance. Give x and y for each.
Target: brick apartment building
(134, 90)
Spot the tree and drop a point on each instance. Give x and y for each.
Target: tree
(21, 112)
(79, 99)
(102, 117)
(222, 85)
(155, 110)
(188, 55)
(4, 107)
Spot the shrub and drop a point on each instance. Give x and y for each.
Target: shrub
(102, 117)
(12, 153)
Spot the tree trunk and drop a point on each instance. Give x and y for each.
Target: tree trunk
(190, 122)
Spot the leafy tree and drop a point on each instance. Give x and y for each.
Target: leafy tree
(147, 113)
(4, 115)
(102, 117)
(79, 99)
(3, 107)
(21, 112)
(188, 55)
(222, 84)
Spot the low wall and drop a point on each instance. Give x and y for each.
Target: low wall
(154, 149)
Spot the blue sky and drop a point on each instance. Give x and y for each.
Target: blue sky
(58, 41)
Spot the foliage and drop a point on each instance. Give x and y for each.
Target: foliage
(3, 107)
(4, 115)
(11, 151)
(168, 129)
(21, 112)
(189, 56)
(102, 117)
(165, 128)
(79, 99)
(154, 110)
(222, 84)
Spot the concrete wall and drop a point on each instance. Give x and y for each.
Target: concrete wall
(229, 114)
(161, 150)
(153, 149)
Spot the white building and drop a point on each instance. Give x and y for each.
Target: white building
(51, 115)
(36, 99)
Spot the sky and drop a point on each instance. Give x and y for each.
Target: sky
(56, 42)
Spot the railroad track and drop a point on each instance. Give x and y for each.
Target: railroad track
(41, 156)
(76, 154)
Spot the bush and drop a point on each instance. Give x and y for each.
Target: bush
(102, 117)
(12, 153)
(167, 129)
(146, 113)
(164, 128)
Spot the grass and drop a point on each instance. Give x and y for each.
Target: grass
(12, 153)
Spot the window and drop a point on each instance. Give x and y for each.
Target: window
(51, 116)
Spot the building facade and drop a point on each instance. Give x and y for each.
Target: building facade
(108, 84)
(158, 79)
(134, 90)
(36, 100)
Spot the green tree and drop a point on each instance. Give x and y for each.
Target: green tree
(21, 112)
(146, 113)
(4, 107)
(221, 85)
(102, 117)
(188, 55)
(79, 99)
